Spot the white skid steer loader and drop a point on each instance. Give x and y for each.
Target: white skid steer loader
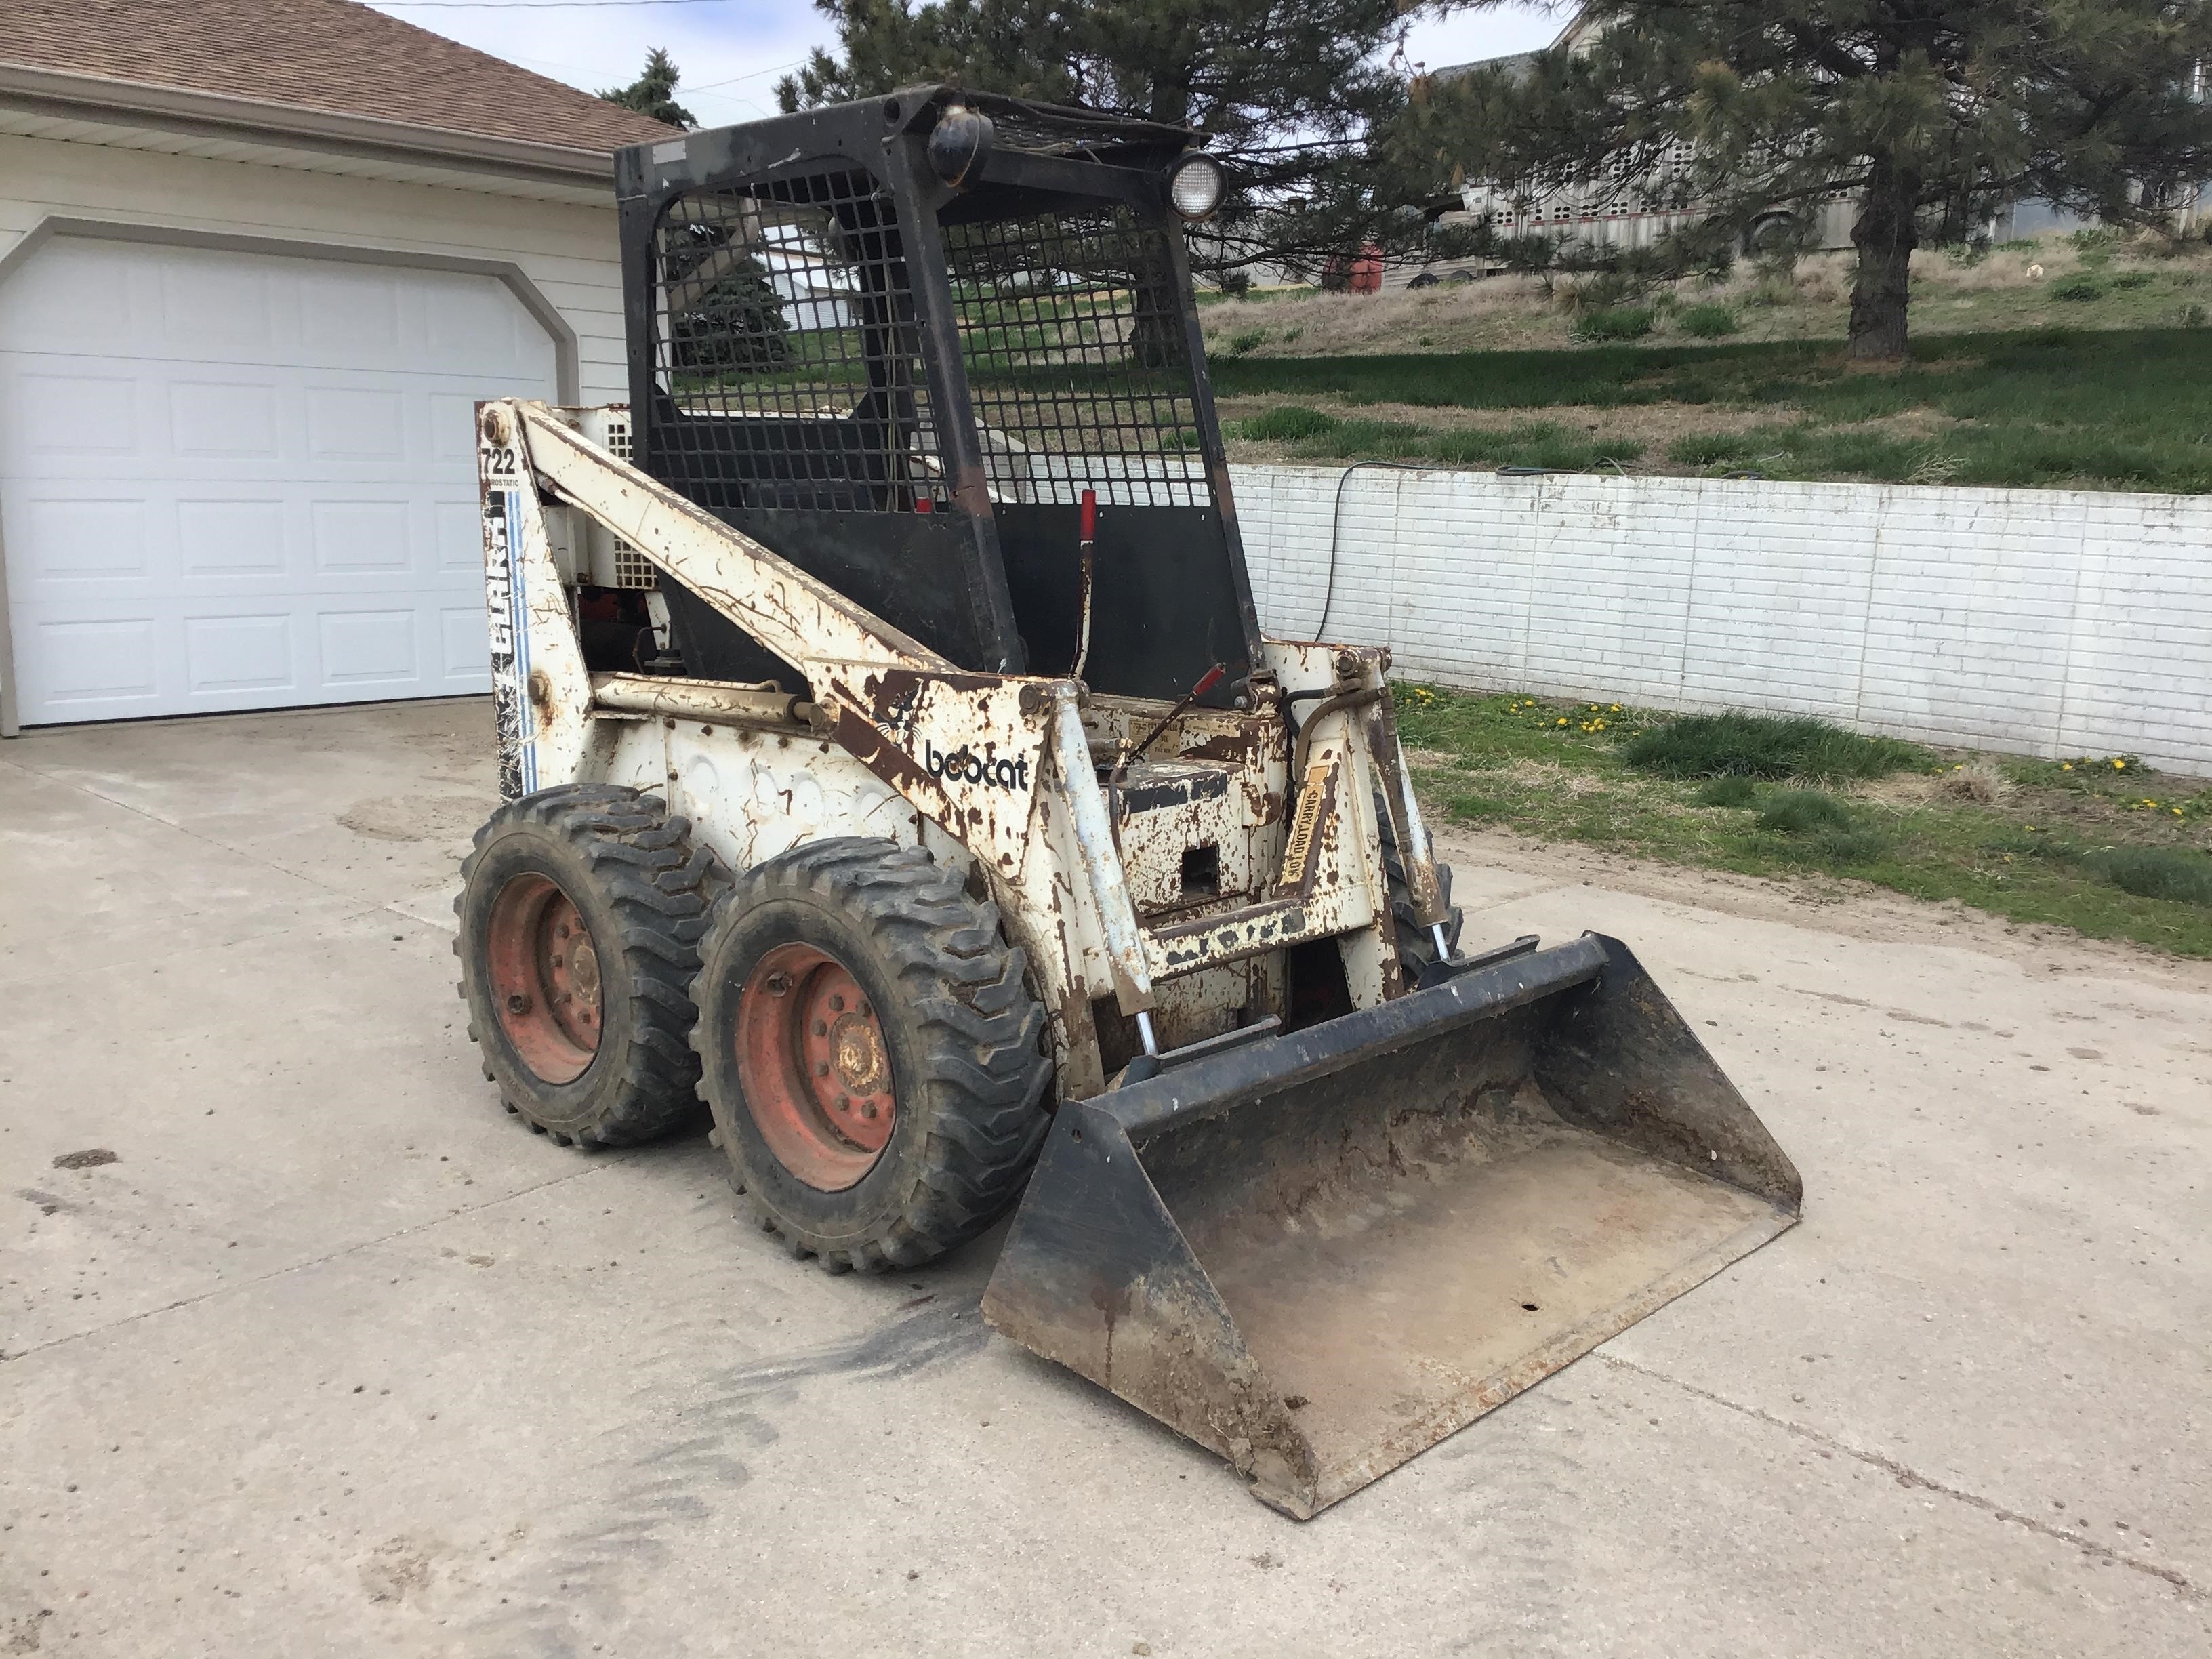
(892, 758)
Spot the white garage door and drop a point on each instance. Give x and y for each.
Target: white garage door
(233, 481)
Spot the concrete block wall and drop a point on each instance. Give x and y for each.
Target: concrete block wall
(2042, 621)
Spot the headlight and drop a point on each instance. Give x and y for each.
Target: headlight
(1195, 186)
(959, 143)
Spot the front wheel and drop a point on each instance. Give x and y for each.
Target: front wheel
(870, 1051)
(580, 910)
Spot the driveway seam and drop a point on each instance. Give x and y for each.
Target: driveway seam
(602, 1160)
(369, 907)
(184, 829)
(1477, 906)
(1907, 1476)
(391, 906)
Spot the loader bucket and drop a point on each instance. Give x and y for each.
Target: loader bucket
(1320, 1254)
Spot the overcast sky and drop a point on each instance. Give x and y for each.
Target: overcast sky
(731, 52)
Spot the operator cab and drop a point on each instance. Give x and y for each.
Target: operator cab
(895, 342)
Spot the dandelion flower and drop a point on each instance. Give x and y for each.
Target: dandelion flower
(1563, 720)
(2119, 766)
(2066, 766)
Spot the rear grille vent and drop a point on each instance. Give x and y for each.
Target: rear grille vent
(632, 568)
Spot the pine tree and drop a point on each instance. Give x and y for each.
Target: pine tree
(1289, 91)
(1926, 112)
(653, 93)
(724, 314)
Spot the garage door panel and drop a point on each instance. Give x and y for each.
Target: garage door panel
(225, 302)
(453, 416)
(227, 420)
(368, 648)
(363, 537)
(100, 540)
(350, 315)
(241, 651)
(230, 481)
(225, 538)
(63, 414)
(458, 537)
(84, 304)
(478, 331)
(464, 639)
(93, 666)
(355, 423)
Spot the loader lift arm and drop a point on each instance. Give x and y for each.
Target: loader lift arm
(802, 619)
(883, 696)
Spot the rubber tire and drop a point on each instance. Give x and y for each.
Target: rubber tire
(1416, 950)
(630, 866)
(964, 1032)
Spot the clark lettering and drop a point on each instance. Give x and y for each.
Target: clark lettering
(963, 765)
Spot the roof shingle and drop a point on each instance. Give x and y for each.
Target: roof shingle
(328, 55)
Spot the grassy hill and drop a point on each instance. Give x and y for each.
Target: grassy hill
(2077, 361)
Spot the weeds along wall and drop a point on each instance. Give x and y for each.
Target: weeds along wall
(2042, 621)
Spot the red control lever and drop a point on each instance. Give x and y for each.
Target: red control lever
(1211, 679)
(1086, 537)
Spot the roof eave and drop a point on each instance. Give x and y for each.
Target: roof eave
(176, 108)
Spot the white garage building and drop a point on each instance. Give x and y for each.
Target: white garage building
(257, 258)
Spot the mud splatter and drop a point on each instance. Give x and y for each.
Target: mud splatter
(398, 1568)
(416, 818)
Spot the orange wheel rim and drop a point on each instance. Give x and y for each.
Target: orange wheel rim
(545, 972)
(814, 1068)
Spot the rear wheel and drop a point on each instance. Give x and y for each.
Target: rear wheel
(580, 910)
(1417, 948)
(871, 1052)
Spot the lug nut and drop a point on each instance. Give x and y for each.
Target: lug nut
(822, 1028)
(868, 1110)
(563, 930)
(518, 1003)
(556, 961)
(777, 984)
(845, 1103)
(836, 1005)
(822, 1068)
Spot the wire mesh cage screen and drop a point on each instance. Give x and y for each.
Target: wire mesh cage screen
(787, 343)
(1072, 331)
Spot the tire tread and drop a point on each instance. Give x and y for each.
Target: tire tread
(977, 1024)
(659, 885)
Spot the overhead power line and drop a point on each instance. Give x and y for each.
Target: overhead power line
(751, 74)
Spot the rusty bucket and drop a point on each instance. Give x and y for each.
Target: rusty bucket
(1321, 1253)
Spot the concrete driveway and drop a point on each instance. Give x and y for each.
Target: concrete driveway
(332, 1358)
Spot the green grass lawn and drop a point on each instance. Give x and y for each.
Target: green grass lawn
(2098, 843)
(2117, 409)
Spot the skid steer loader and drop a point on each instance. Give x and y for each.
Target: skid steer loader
(892, 758)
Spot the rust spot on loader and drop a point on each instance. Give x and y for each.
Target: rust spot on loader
(541, 699)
